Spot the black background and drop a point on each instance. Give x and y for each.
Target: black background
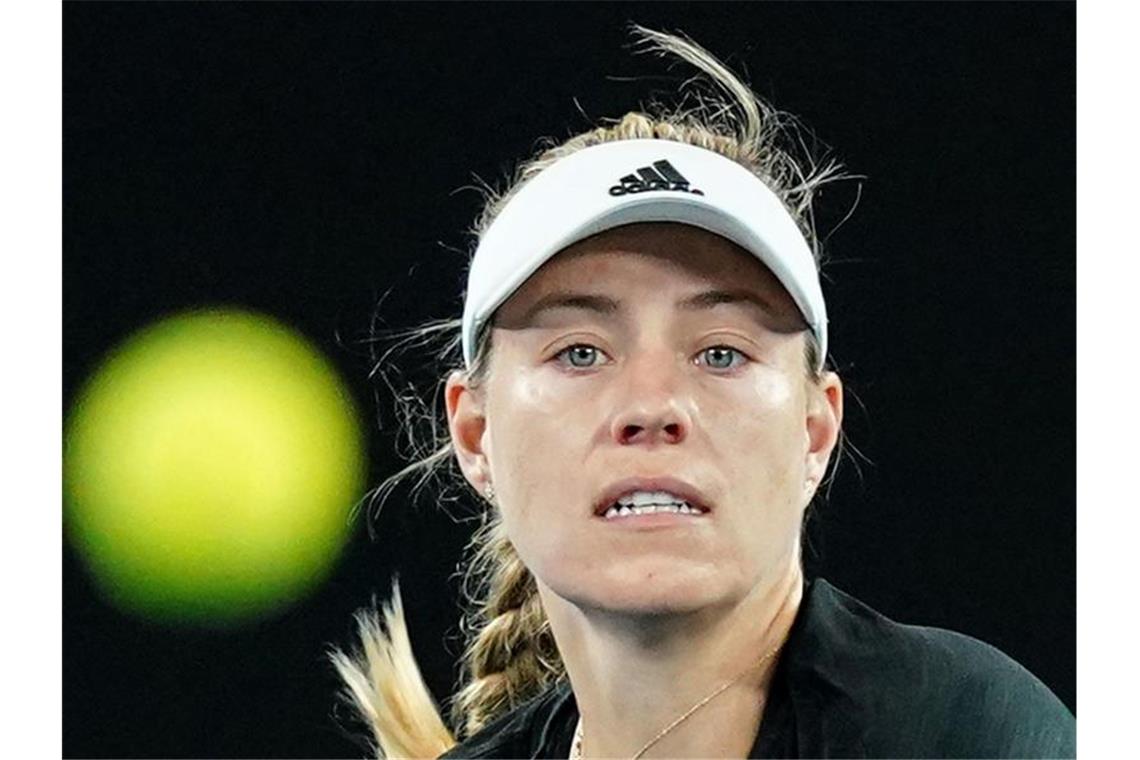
(300, 160)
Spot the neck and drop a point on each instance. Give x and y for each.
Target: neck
(633, 677)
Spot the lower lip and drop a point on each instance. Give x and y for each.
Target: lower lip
(655, 520)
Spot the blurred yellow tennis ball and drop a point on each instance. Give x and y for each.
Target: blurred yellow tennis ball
(210, 468)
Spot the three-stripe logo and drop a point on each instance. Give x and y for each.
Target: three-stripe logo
(661, 176)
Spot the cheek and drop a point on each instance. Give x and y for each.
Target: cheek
(762, 444)
(538, 435)
(766, 409)
(530, 415)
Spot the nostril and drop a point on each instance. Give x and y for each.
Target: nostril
(635, 433)
(630, 432)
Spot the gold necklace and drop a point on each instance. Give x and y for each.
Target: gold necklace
(576, 746)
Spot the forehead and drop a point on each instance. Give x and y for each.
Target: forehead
(652, 257)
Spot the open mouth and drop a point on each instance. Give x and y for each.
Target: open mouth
(634, 507)
(619, 511)
(650, 500)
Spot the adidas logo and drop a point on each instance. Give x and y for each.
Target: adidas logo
(660, 176)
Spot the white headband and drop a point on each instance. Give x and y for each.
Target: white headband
(628, 181)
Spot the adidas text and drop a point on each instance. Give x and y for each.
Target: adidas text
(660, 176)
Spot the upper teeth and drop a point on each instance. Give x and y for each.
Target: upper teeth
(649, 502)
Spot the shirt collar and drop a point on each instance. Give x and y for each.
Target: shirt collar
(812, 707)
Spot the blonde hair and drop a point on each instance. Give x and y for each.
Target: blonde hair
(510, 654)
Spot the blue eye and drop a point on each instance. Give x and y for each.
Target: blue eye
(579, 351)
(721, 357)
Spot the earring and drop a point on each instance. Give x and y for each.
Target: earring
(490, 492)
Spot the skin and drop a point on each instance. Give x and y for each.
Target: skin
(649, 622)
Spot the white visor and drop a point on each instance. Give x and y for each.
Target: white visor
(628, 181)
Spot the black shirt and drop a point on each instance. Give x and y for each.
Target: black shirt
(852, 683)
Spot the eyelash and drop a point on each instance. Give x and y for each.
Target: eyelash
(558, 356)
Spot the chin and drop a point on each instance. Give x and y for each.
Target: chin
(643, 589)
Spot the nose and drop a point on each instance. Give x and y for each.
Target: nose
(653, 408)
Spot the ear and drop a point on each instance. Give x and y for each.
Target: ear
(824, 421)
(467, 423)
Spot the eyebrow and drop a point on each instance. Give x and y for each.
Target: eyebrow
(607, 306)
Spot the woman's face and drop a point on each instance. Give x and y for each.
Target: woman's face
(651, 350)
